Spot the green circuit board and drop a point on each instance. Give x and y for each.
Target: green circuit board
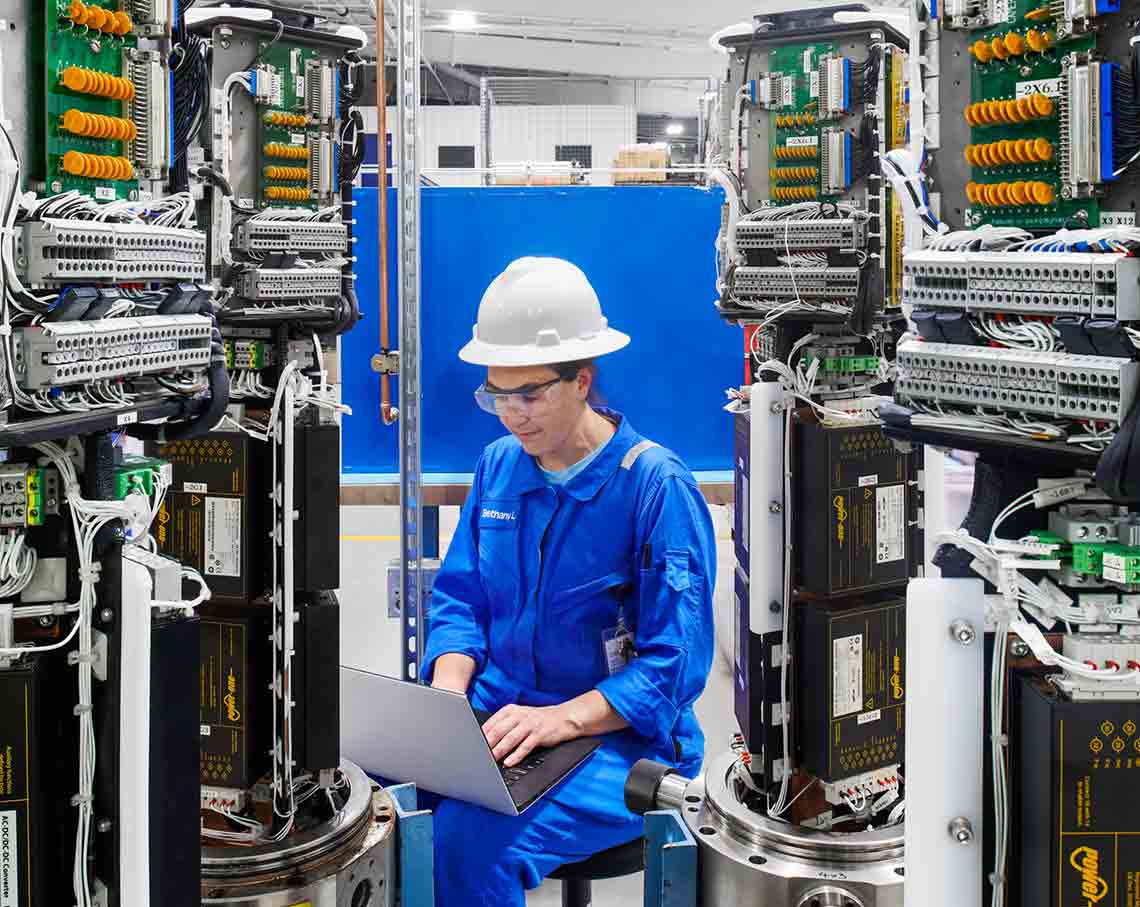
(1019, 76)
(795, 130)
(288, 62)
(62, 44)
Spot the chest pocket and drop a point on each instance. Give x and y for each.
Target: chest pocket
(499, 552)
(595, 603)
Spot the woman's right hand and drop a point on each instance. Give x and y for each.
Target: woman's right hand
(453, 672)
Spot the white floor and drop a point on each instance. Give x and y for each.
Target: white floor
(369, 541)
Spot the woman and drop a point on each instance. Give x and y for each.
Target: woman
(576, 596)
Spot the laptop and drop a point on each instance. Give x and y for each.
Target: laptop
(406, 732)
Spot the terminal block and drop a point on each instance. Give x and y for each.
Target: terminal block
(815, 283)
(1085, 110)
(249, 354)
(137, 473)
(321, 89)
(97, 252)
(1058, 385)
(865, 786)
(28, 494)
(60, 354)
(834, 86)
(290, 283)
(149, 111)
(1029, 283)
(787, 234)
(835, 161)
(258, 235)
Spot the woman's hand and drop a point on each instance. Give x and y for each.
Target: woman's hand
(515, 730)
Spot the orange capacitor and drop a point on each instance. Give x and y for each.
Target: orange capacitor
(999, 48)
(123, 24)
(810, 119)
(995, 111)
(1038, 41)
(1042, 106)
(1001, 190)
(1005, 152)
(1042, 193)
(970, 154)
(1014, 43)
(1019, 193)
(96, 17)
(1009, 112)
(1043, 149)
(77, 12)
(981, 51)
(972, 192)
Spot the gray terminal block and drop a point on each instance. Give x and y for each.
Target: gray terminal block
(1030, 283)
(59, 250)
(1096, 388)
(259, 235)
(166, 573)
(290, 283)
(816, 283)
(797, 234)
(65, 353)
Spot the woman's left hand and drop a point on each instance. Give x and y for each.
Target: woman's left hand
(515, 730)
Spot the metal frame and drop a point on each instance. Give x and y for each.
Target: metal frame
(409, 37)
(415, 839)
(670, 861)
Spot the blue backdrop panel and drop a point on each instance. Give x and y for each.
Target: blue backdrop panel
(647, 251)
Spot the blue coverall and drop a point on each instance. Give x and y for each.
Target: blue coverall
(533, 577)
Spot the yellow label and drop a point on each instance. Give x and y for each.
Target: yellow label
(230, 699)
(840, 519)
(1086, 861)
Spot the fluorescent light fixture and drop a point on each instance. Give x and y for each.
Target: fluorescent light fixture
(461, 20)
(675, 129)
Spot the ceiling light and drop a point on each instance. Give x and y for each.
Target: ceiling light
(675, 129)
(461, 20)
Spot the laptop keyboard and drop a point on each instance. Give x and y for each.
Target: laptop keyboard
(516, 773)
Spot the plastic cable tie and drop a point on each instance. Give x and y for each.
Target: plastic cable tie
(82, 710)
(90, 573)
(81, 799)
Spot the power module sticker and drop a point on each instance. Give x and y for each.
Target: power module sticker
(9, 859)
(890, 524)
(223, 536)
(846, 675)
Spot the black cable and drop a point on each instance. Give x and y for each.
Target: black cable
(261, 53)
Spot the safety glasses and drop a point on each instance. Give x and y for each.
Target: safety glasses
(523, 399)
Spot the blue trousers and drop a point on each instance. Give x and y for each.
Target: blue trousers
(486, 858)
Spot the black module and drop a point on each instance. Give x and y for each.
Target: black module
(757, 688)
(175, 789)
(1075, 771)
(235, 704)
(856, 506)
(316, 470)
(38, 768)
(216, 514)
(742, 433)
(850, 692)
(316, 684)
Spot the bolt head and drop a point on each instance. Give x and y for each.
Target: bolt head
(103, 826)
(1026, 71)
(56, 186)
(963, 631)
(95, 47)
(775, 409)
(106, 615)
(46, 621)
(1018, 649)
(1066, 192)
(775, 607)
(775, 507)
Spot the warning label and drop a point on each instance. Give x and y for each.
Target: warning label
(890, 524)
(223, 536)
(847, 676)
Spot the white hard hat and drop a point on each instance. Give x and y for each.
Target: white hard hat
(540, 311)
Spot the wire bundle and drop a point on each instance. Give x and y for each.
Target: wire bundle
(1125, 121)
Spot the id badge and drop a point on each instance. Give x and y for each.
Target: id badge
(617, 644)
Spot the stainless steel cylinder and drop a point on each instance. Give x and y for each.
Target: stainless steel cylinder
(348, 861)
(749, 860)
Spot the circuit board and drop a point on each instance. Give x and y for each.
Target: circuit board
(1017, 152)
(287, 129)
(82, 57)
(794, 153)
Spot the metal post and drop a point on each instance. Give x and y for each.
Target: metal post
(486, 105)
(411, 503)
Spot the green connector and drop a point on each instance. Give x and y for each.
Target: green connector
(1088, 558)
(136, 473)
(1121, 564)
(866, 364)
(257, 355)
(34, 516)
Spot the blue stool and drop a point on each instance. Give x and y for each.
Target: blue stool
(623, 860)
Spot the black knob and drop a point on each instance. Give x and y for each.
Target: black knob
(642, 784)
